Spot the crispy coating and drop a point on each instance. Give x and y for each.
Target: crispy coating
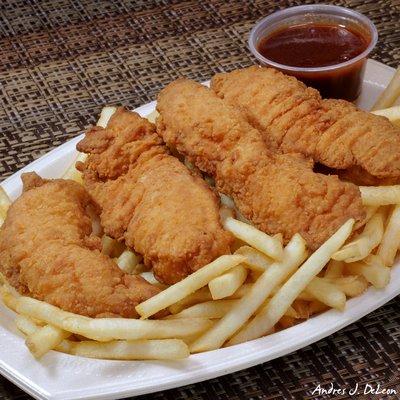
(150, 199)
(278, 193)
(47, 251)
(294, 118)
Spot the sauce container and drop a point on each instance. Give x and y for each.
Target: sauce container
(340, 78)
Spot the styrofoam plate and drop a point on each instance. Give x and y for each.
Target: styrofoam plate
(61, 376)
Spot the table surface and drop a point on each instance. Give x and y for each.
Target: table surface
(62, 61)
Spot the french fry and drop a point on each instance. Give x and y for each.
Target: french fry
(225, 212)
(352, 286)
(390, 94)
(227, 284)
(326, 292)
(268, 245)
(128, 262)
(269, 315)
(106, 329)
(5, 203)
(304, 295)
(105, 115)
(168, 349)
(149, 276)
(372, 269)
(370, 212)
(199, 296)
(380, 195)
(227, 201)
(202, 295)
(97, 229)
(111, 247)
(363, 244)
(9, 299)
(188, 285)
(391, 113)
(26, 325)
(334, 269)
(72, 172)
(291, 312)
(240, 217)
(255, 260)
(209, 309)
(45, 339)
(42, 311)
(293, 255)
(152, 116)
(391, 238)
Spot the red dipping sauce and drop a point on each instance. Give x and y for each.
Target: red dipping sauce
(323, 46)
(313, 45)
(320, 45)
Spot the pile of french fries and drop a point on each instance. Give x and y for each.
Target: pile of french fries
(260, 288)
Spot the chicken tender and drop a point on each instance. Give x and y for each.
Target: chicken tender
(278, 193)
(48, 251)
(150, 200)
(294, 118)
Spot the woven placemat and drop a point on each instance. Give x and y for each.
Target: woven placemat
(62, 61)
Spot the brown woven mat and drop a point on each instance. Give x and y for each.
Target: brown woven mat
(62, 61)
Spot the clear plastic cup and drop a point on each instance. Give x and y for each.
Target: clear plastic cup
(341, 80)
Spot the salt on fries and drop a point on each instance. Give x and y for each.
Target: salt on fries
(262, 287)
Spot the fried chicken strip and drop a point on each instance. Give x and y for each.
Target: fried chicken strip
(150, 199)
(278, 193)
(294, 118)
(47, 251)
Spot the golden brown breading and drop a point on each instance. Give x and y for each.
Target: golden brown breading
(47, 251)
(294, 118)
(150, 199)
(278, 193)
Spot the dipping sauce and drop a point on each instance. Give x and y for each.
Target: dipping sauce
(313, 45)
(320, 44)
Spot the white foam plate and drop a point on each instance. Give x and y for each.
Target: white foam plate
(61, 376)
